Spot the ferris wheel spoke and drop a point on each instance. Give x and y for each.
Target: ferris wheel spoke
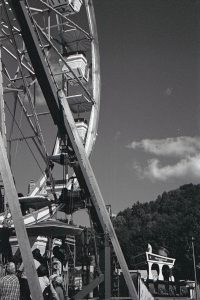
(40, 136)
(36, 129)
(66, 19)
(16, 59)
(68, 66)
(21, 132)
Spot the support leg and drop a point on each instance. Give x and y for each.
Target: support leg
(107, 271)
(13, 202)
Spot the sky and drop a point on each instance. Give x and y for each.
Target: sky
(148, 138)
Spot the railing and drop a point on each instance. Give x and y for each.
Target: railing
(168, 289)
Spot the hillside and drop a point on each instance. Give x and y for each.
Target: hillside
(169, 221)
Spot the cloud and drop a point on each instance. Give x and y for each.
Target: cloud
(185, 167)
(168, 91)
(179, 146)
(185, 149)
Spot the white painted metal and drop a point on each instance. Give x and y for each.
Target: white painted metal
(67, 7)
(78, 64)
(96, 79)
(34, 217)
(82, 129)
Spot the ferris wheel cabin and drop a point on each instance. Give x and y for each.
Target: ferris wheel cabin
(82, 126)
(76, 68)
(66, 7)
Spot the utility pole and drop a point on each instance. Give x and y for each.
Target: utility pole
(194, 263)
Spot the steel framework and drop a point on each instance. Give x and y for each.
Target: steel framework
(34, 67)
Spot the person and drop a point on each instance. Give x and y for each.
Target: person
(56, 266)
(9, 284)
(46, 285)
(1, 270)
(39, 259)
(36, 259)
(24, 287)
(43, 277)
(58, 286)
(59, 254)
(5, 244)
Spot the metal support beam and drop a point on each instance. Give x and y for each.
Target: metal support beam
(13, 202)
(105, 266)
(107, 270)
(90, 287)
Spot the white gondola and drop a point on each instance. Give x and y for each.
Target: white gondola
(82, 127)
(79, 103)
(78, 67)
(66, 7)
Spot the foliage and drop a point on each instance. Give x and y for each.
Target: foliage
(170, 221)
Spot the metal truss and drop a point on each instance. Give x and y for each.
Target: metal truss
(30, 42)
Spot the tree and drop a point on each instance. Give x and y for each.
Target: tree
(170, 221)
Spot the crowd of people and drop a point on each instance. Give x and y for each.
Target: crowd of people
(14, 284)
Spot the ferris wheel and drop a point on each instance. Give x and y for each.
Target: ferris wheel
(49, 102)
(67, 37)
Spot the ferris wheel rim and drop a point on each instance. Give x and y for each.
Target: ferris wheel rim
(92, 130)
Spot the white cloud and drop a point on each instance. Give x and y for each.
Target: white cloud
(186, 149)
(168, 91)
(185, 167)
(179, 146)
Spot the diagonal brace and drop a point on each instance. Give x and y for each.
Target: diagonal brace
(20, 229)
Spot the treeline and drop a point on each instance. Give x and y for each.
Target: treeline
(170, 221)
